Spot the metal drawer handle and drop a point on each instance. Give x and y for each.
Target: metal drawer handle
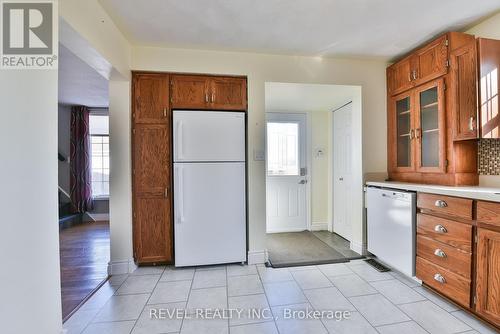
(440, 253)
(440, 228)
(440, 204)
(439, 278)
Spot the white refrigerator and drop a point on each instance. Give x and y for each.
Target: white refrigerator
(209, 187)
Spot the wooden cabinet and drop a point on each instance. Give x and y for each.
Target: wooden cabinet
(458, 251)
(152, 171)
(190, 92)
(489, 83)
(150, 96)
(208, 92)
(423, 65)
(431, 106)
(431, 61)
(464, 92)
(399, 76)
(416, 126)
(488, 274)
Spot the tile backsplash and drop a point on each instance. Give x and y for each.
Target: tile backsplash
(489, 157)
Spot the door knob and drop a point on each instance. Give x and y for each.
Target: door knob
(302, 181)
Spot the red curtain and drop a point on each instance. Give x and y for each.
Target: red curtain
(80, 159)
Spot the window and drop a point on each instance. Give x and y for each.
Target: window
(282, 148)
(99, 134)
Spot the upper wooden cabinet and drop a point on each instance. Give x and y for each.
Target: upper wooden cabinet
(423, 65)
(150, 96)
(399, 76)
(417, 134)
(431, 61)
(432, 103)
(208, 92)
(463, 103)
(489, 81)
(190, 91)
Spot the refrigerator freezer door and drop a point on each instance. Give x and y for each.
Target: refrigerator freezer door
(210, 217)
(201, 136)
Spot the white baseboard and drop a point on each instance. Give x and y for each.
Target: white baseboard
(359, 248)
(257, 257)
(121, 267)
(284, 230)
(319, 226)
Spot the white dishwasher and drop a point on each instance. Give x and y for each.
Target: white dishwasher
(391, 216)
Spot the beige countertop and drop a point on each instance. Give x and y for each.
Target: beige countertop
(474, 192)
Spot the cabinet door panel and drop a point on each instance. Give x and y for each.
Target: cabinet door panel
(151, 101)
(489, 103)
(190, 92)
(401, 134)
(399, 77)
(152, 157)
(463, 85)
(228, 93)
(153, 229)
(430, 129)
(430, 61)
(488, 275)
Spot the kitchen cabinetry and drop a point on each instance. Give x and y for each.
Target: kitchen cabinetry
(429, 115)
(489, 81)
(488, 261)
(458, 251)
(154, 95)
(208, 92)
(152, 174)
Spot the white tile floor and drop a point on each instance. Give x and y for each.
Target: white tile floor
(375, 302)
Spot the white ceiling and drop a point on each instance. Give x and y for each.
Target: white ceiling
(293, 97)
(360, 28)
(80, 84)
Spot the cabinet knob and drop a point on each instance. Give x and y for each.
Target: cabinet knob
(440, 228)
(440, 253)
(206, 97)
(471, 123)
(439, 278)
(440, 203)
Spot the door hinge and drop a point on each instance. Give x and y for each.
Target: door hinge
(444, 86)
(446, 162)
(446, 42)
(475, 239)
(474, 300)
(447, 63)
(133, 131)
(134, 215)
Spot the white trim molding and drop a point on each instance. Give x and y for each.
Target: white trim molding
(121, 267)
(257, 257)
(319, 226)
(359, 248)
(284, 230)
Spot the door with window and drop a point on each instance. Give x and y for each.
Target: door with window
(286, 173)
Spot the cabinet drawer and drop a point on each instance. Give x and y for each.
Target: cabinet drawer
(448, 257)
(488, 213)
(449, 284)
(451, 206)
(446, 231)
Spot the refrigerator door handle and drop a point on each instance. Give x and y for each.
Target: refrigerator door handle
(180, 143)
(180, 195)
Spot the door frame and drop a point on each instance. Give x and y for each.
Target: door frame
(307, 158)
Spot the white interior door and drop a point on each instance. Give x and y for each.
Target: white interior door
(342, 139)
(286, 173)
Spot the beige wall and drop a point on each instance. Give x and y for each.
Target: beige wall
(261, 68)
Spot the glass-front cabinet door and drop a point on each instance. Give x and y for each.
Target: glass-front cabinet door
(430, 127)
(401, 130)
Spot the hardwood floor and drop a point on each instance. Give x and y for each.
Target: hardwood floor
(84, 255)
